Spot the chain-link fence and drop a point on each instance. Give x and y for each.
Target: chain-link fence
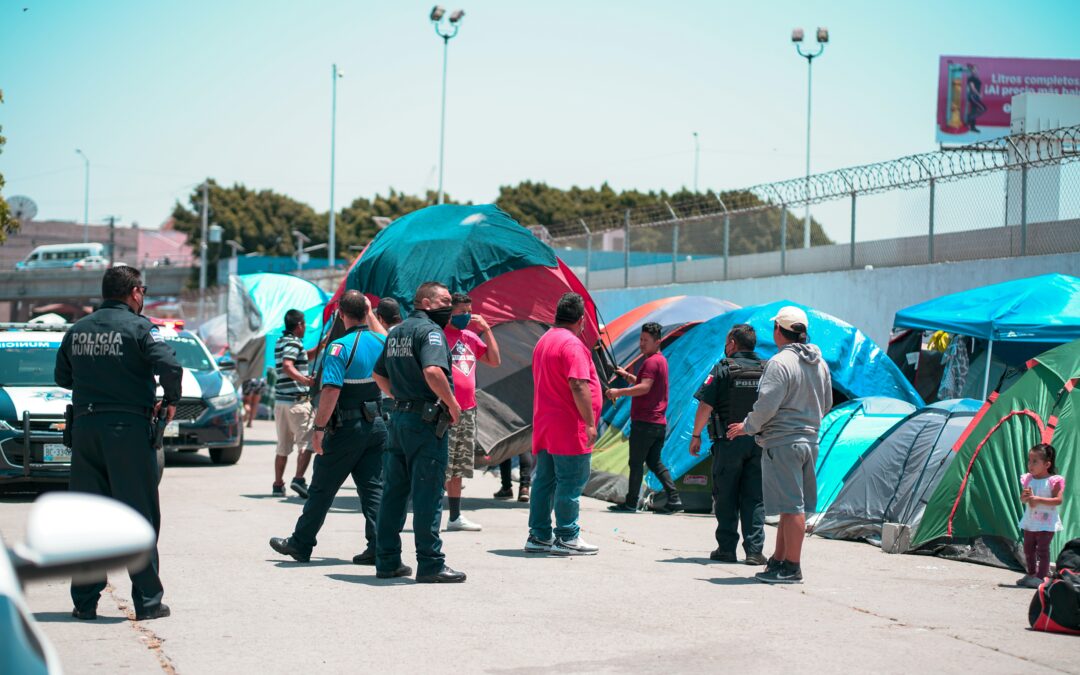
(1015, 196)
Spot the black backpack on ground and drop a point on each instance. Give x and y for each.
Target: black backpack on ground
(1056, 605)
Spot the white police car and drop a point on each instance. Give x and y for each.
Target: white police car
(31, 405)
(209, 414)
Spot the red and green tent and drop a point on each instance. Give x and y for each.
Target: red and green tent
(515, 281)
(978, 499)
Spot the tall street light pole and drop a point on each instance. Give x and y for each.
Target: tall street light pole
(697, 152)
(822, 38)
(335, 75)
(86, 198)
(452, 25)
(203, 248)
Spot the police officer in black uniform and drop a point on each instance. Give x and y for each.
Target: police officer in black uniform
(414, 369)
(109, 360)
(727, 395)
(350, 433)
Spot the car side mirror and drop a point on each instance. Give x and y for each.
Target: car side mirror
(226, 364)
(80, 536)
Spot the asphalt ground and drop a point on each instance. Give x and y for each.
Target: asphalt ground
(651, 599)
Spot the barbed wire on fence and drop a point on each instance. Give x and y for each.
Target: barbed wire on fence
(1014, 152)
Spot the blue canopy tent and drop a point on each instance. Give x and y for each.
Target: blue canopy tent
(859, 368)
(1023, 318)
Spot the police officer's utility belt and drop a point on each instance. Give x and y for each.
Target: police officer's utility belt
(93, 408)
(368, 410)
(409, 406)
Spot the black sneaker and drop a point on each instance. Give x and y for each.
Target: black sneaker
(622, 508)
(787, 573)
(672, 507)
(299, 486)
(773, 564)
(401, 571)
(365, 558)
(278, 490)
(756, 559)
(443, 576)
(84, 614)
(724, 556)
(505, 493)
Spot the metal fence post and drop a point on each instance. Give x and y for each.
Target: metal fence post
(727, 233)
(626, 250)
(783, 239)
(1023, 208)
(588, 249)
(933, 194)
(853, 230)
(674, 240)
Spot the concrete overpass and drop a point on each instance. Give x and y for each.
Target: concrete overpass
(24, 290)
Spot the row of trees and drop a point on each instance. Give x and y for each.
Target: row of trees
(263, 220)
(7, 221)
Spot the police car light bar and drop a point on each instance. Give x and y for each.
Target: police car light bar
(40, 327)
(173, 324)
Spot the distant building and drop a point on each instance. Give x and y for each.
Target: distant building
(135, 246)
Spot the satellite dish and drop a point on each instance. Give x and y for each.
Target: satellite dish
(22, 208)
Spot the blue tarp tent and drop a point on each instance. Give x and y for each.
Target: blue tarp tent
(859, 368)
(275, 294)
(846, 433)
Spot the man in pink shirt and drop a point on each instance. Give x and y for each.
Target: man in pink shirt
(566, 405)
(466, 350)
(648, 420)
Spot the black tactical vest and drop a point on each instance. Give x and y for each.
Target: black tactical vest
(744, 375)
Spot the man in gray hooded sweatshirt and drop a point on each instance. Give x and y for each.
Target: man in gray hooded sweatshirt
(794, 393)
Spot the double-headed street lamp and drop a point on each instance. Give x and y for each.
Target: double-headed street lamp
(797, 38)
(445, 30)
(86, 198)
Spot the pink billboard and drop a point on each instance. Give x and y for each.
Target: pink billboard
(975, 92)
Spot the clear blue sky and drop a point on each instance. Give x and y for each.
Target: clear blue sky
(163, 94)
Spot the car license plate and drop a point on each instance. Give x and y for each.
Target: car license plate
(172, 429)
(57, 452)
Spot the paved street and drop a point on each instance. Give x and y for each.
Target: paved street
(651, 600)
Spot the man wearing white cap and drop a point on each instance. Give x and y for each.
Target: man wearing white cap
(794, 393)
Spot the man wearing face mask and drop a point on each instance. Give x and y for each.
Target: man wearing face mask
(109, 360)
(466, 349)
(414, 370)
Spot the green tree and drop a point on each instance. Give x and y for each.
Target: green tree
(7, 222)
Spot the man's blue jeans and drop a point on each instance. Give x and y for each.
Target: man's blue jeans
(557, 484)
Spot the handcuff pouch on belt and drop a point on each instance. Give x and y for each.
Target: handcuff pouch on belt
(69, 424)
(437, 414)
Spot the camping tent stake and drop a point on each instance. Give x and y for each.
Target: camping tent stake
(986, 377)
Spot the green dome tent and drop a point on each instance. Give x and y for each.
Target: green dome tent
(979, 496)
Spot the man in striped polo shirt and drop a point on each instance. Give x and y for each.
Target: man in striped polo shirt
(293, 413)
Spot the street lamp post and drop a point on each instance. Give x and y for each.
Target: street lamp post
(452, 25)
(822, 37)
(697, 152)
(86, 198)
(335, 74)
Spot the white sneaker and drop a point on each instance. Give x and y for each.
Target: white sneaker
(576, 546)
(534, 545)
(463, 524)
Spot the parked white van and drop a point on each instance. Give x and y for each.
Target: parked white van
(59, 256)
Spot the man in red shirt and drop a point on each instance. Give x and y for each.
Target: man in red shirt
(648, 422)
(466, 349)
(566, 405)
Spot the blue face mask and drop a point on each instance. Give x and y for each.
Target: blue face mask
(460, 321)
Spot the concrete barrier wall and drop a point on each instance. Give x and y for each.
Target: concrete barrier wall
(867, 299)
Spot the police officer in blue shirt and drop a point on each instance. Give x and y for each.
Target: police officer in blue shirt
(350, 434)
(414, 369)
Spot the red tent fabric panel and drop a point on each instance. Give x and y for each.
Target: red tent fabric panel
(332, 304)
(531, 293)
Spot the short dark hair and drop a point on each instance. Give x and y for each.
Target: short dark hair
(744, 335)
(460, 299)
(119, 282)
(570, 309)
(654, 329)
(353, 305)
(428, 290)
(389, 311)
(794, 336)
(293, 318)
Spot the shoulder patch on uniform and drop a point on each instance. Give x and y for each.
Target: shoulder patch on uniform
(435, 338)
(156, 334)
(709, 379)
(336, 349)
